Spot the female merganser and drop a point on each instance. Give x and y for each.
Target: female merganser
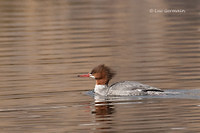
(103, 74)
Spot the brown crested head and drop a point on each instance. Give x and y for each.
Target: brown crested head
(102, 74)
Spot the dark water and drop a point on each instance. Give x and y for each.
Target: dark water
(45, 44)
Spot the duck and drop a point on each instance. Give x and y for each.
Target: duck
(103, 74)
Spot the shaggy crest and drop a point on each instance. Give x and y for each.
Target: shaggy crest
(104, 69)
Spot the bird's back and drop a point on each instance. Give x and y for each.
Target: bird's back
(131, 88)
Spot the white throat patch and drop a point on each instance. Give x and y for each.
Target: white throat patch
(91, 76)
(101, 89)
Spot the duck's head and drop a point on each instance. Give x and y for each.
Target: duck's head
(101, 73)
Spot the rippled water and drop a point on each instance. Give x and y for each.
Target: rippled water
(45, 44)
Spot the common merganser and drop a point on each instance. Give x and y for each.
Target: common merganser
(103, 74)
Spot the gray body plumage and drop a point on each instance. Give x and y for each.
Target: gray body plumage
(129, 88)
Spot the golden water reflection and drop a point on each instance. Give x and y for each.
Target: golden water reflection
(45, 44)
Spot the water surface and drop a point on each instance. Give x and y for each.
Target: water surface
(45, 44)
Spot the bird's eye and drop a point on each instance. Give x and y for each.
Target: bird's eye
(92, 72)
